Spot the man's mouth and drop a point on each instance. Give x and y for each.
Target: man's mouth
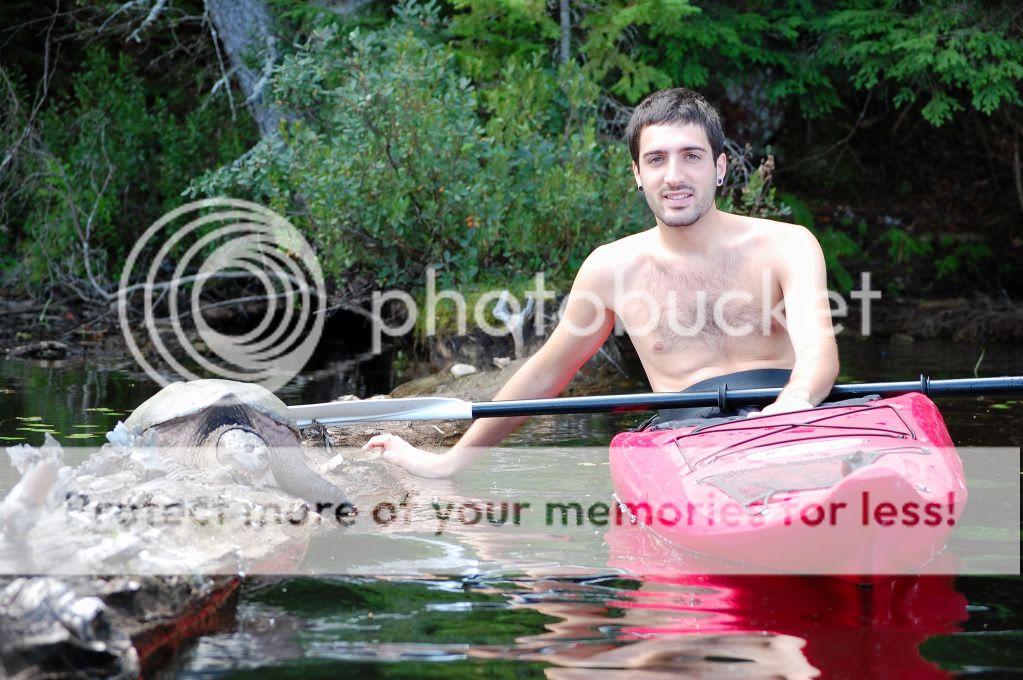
(678, 198)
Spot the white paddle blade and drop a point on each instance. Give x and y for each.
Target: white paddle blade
(379, 410)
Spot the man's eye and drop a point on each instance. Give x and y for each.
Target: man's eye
(692, 156)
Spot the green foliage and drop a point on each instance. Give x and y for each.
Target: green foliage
(398, 163)
(460, 144)
(948, 53)
(112, 159)
(941, 254)
(489, 33)
(902, 246)
(755, 196)
(618, 40)
(837, 247)
(954, 54)
(628, 47)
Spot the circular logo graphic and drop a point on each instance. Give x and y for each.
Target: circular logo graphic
(177, 274)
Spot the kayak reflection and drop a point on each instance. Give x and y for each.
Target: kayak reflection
(847, 628)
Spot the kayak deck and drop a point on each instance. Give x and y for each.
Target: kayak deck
(865, 488)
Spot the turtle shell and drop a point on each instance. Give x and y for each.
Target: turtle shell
(182, 399)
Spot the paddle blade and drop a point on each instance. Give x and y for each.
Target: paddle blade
(378, 410)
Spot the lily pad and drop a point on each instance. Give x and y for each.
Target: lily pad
(104, 410)
(29, 419)
(84, 435)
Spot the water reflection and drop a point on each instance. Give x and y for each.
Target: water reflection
(691, 625)
(780, 626)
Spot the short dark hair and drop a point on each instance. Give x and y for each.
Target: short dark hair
(677, 105)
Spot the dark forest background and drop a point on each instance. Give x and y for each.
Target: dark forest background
(482, 138)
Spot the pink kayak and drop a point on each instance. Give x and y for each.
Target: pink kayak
(867, 488)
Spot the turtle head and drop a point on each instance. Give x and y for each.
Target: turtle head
(229, 434)
(244, 451)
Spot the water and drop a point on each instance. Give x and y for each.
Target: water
(533, 602)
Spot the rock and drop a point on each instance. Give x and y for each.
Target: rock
(502, 362)
(334, 464)
(462, 370)
(47, 350)
(46, 627)
(105, 626)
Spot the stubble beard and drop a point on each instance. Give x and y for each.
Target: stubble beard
(687, 217)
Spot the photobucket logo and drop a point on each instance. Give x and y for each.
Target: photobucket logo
(224, 243)
(663, 313)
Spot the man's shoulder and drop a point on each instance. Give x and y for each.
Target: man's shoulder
(627, 245)
(773, 231)
(607, 260)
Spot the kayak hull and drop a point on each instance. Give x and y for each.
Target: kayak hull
(870, 488)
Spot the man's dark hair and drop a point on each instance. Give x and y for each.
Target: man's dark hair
(677, 105)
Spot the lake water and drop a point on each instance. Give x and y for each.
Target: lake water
(526, 600)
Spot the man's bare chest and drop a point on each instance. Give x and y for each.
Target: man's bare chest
(667, 305)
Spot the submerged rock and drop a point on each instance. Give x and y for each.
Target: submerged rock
(110, 627)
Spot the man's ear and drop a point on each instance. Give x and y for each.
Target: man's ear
(722, 165)
(635, 173)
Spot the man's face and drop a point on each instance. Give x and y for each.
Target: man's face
(678, 172)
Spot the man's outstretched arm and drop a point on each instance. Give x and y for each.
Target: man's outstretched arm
(586, 323)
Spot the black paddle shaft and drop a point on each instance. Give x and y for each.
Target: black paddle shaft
(960, 387)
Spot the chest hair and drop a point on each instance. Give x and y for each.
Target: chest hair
(682, 304)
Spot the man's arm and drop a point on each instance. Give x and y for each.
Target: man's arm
(582, 330)
(803, 282)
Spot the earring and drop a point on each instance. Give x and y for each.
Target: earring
(639, 189)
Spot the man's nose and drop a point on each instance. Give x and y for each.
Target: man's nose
(676, 172)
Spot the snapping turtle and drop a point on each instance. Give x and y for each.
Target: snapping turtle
(234, 426)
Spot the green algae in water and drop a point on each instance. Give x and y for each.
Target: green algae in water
(105, 411)
(415, 669)
(440, 612)
(1001, 650)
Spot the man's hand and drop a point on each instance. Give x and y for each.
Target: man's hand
(786, 405)
(396, 450)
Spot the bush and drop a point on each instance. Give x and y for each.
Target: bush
(112, 157)
(397, 163)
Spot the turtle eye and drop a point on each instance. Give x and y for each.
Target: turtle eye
(244, 450)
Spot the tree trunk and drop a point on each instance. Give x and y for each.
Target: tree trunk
(245, 30)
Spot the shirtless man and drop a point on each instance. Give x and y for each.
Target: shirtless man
(701, 293)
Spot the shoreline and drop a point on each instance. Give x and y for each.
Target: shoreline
(61, 330)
